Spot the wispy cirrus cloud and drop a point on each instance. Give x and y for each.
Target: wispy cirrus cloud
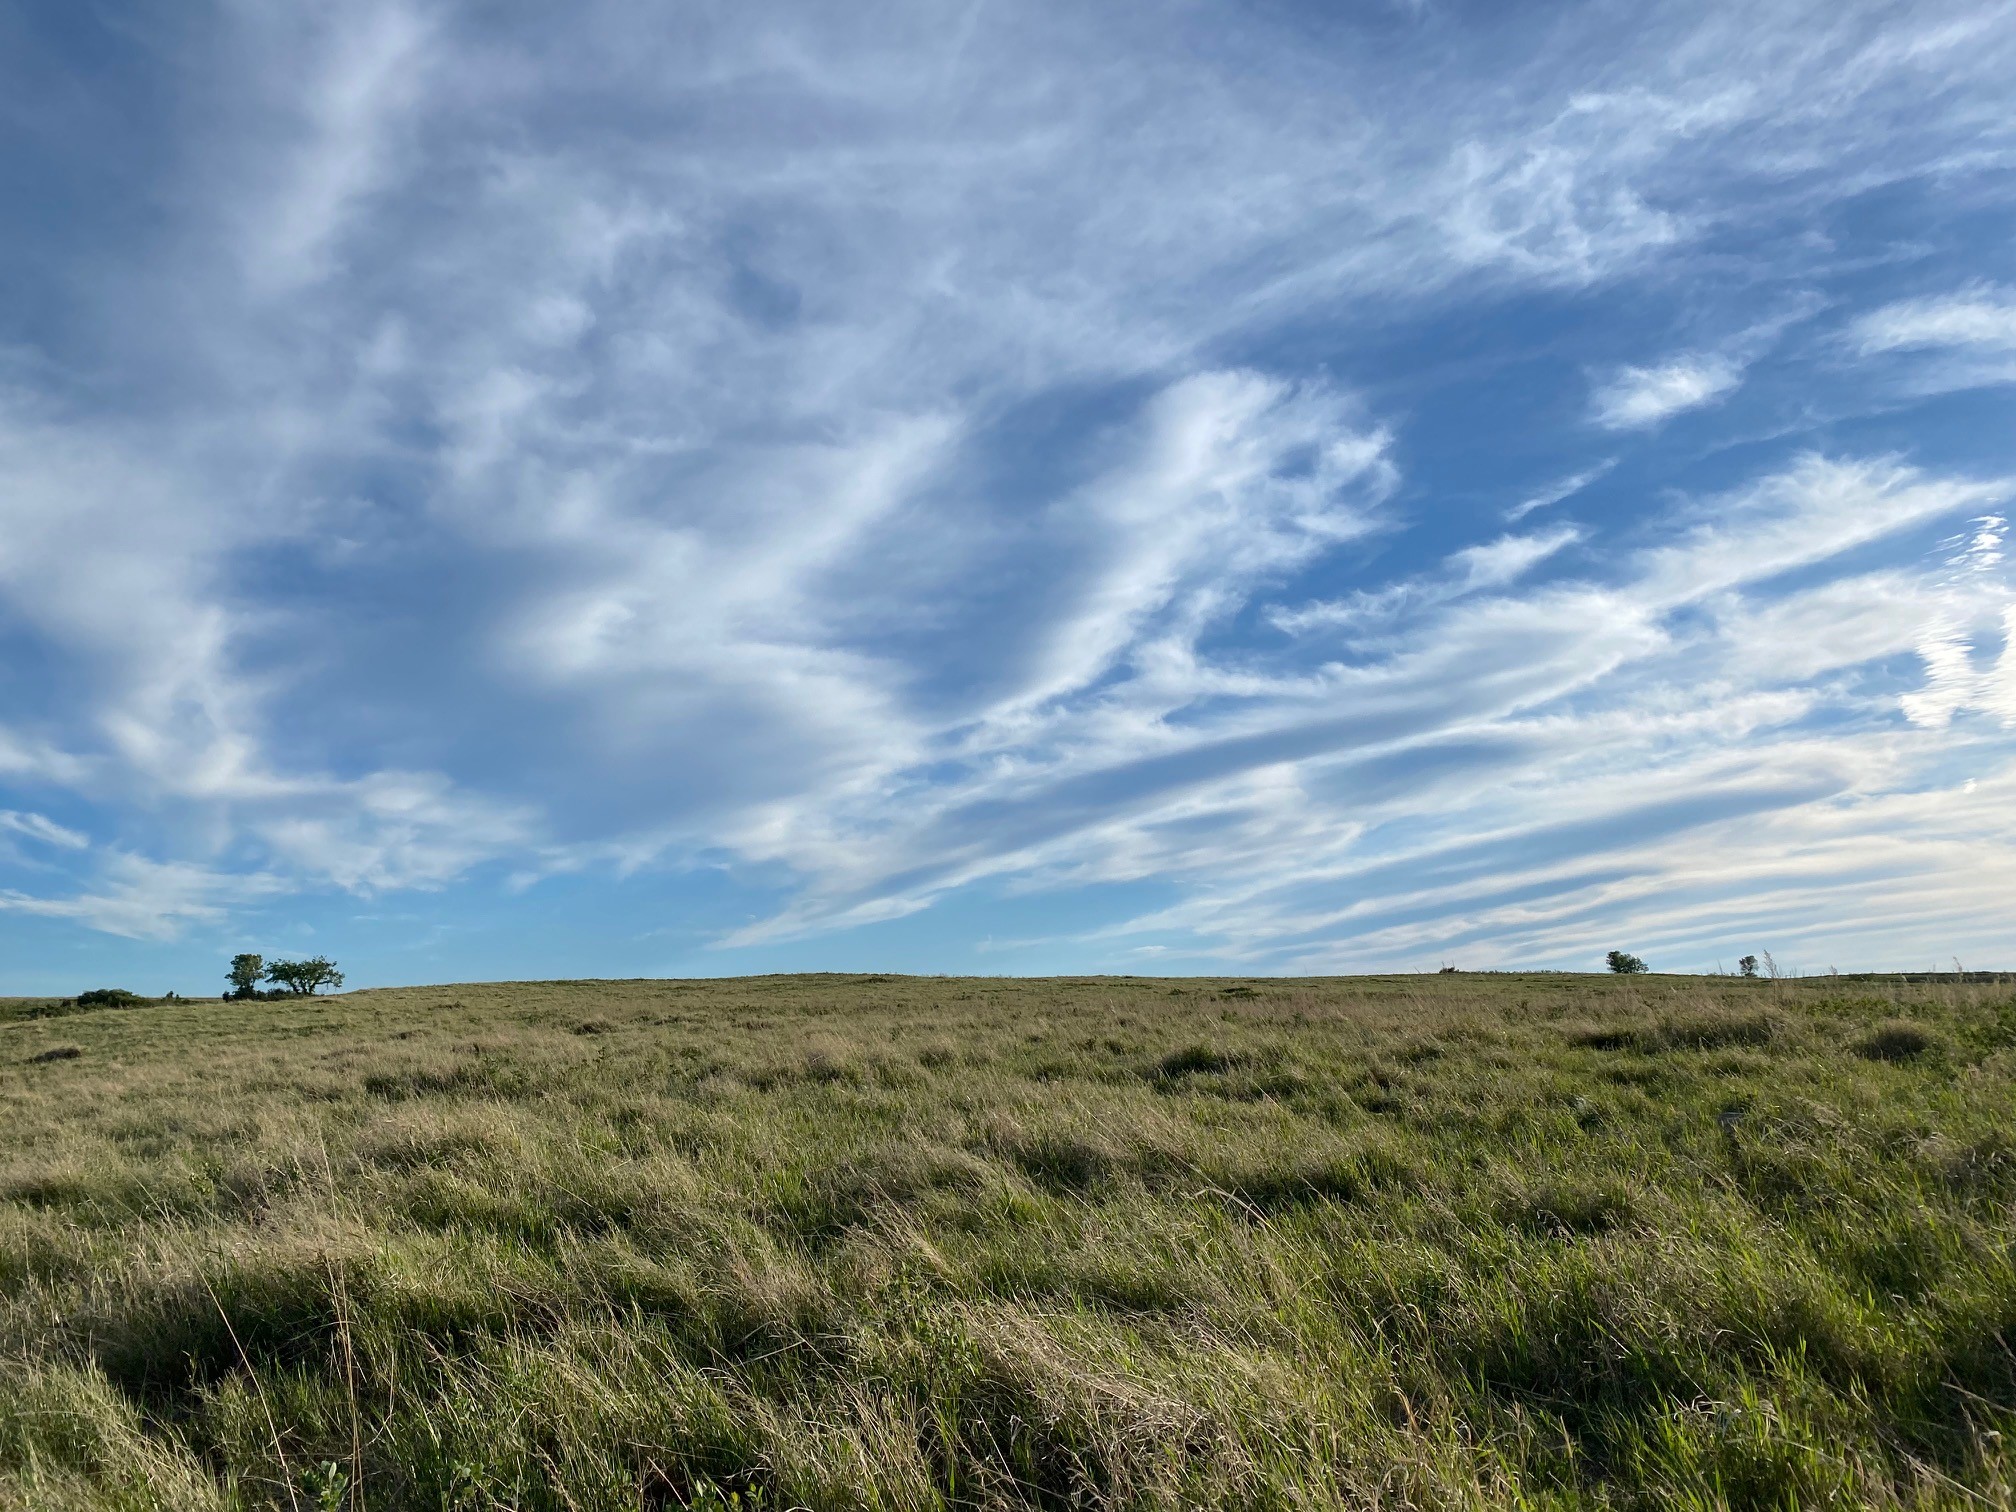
(875, 462)
(1982, 316)
(1489, 564)
(1544, 720)
(1492, 564)
(1636, 398)
(1943, 343)
(42, 829)
(1973, 600)
(140, 899)
(360, 75)
(1554, 493)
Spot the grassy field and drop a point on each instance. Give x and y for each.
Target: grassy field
(1490, 1241)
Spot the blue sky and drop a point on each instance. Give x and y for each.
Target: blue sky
(510, 490)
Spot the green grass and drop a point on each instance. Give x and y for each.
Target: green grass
(1448, 1241)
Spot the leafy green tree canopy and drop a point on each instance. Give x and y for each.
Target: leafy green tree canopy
(246, 969)
(1624, 963)
(305, 978)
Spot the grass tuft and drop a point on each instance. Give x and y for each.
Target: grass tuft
(1897, 1040)
(1196, 1060)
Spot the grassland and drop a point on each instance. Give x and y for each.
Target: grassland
(907, 1243)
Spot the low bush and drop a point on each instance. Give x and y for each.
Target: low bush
(1898, 1040)
(109, 997)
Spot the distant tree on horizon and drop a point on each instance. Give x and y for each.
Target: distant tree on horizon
(246, 970)
(1624, 963)
(305, 978)
(1748, 966)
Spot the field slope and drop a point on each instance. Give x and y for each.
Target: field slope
(1482, 1241)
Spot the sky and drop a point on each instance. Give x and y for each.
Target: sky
(506, 490)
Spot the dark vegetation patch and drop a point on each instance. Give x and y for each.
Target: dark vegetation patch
(1896, 1040)
(1292, 1180)
(1061, 1160)
(109, 997)
(18, 1009)
(1196, 1060)
(1693, 1031)
(1567, 1209)
(1605, 1037)
(480, 1077)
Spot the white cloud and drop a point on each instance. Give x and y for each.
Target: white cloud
(1974, 590)
(1496, 563)
(1554, 493)
(362, 69)
(1981, 317)
(1636, 398)
(150, 900)
(1489, 564)
(1954, 683)
(1812, 511)
(1541, 736)
(43, 830)
(1203, 507)
(116, 559)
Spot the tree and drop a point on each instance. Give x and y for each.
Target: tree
(1748, 966)
(305, 978)
(1624, 963)
(246, 969)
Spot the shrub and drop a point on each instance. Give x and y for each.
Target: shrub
(1899, 1040)
(109, 997)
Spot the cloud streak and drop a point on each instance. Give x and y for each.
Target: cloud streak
(42, 830)
(1982, 317)
(1640, 397)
